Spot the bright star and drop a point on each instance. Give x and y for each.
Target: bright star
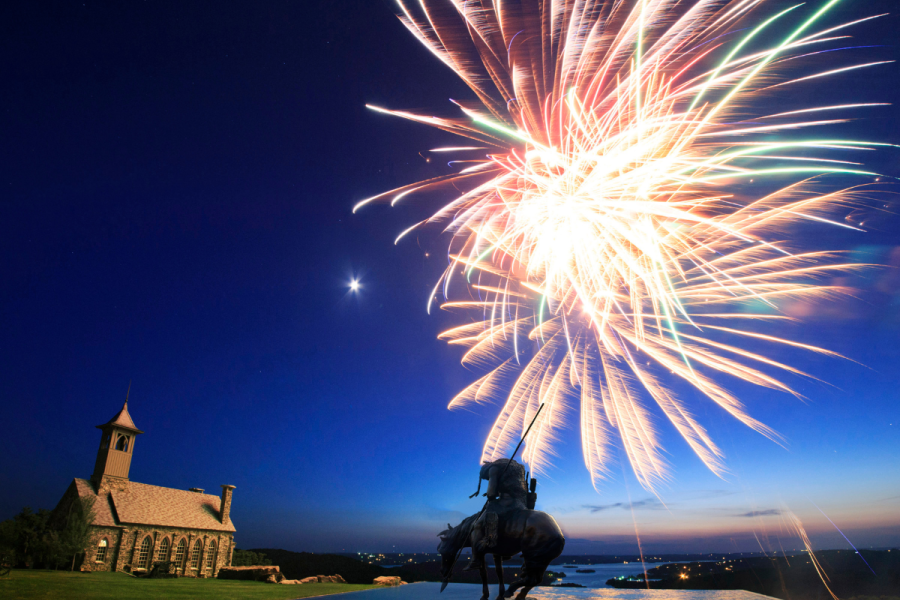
(354, 285)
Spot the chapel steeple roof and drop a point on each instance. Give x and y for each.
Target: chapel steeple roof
(121, 419)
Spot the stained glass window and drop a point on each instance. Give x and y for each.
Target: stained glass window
(163, 549)
(144, 554)
(195, 555)
(101, 550)
(211, 555)
(179, 553)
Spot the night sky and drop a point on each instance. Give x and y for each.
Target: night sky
(177, 182)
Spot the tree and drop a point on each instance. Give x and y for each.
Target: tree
(8, 539)
(34, 539)
(76, 533)
(249, 558)
(45, 538)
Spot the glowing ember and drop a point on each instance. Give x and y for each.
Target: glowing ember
(611, 240)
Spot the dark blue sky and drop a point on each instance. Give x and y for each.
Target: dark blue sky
(177, 180)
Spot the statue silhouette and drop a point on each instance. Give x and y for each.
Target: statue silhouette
(506, 526)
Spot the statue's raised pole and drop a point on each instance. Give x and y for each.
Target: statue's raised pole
(540, 408)
(502, 473)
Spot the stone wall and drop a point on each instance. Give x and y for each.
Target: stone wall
(90, 562)
(125, 543)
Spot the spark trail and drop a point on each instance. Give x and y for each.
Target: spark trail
(610, 240)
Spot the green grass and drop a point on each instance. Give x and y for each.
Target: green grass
(27, 585)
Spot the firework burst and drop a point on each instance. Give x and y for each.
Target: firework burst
(606, 237)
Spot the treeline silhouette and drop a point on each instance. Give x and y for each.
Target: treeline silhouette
(297, 565)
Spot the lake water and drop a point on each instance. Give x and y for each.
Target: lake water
(601, 574)
(588, 580)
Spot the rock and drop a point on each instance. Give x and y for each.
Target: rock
(290, 582)
(317, 579)
(387, 581)
(256, 573)
(275, 578)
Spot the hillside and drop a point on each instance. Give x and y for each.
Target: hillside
(297, 565)
(793, 578)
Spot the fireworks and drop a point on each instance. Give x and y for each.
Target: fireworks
(607, 235)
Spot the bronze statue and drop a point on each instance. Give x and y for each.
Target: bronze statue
(506, 492)
(533, 533)
(506, 526)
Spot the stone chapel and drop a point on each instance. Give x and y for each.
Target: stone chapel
(137, 524)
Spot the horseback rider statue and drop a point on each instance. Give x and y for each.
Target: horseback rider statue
(507, 525)
(506, 492)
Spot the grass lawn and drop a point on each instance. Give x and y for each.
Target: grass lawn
(27, 584)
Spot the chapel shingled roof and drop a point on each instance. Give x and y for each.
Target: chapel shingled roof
(122, 419)
(102, 509)
(146, 504)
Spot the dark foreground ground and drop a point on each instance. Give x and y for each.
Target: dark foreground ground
(33, 584)
(790, 578)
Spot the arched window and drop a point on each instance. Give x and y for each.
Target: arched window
(179, 553)
(122, 443)
(163, 550)
(101, 550)
(104, 443)
(143, 559)
(211, 555)
(195, 554)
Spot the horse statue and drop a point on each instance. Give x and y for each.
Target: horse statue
(533, 533)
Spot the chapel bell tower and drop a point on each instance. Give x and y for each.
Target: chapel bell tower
(114, 455)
